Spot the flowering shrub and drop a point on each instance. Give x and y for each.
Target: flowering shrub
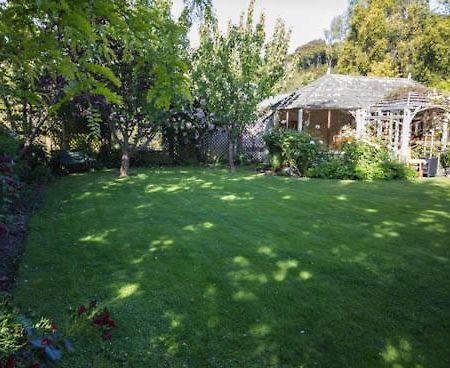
(100, 319)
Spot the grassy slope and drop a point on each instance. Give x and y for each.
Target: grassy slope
(201, 270)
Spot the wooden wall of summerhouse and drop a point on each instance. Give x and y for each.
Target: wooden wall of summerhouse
(325, 125)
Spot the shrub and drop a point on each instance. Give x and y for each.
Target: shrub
(33, 165)
(66, 162)
(365, 159)
(445, 159)
(150, 158)
(361, 161)
(333, 167)
(8, 144)
(298, 150)
(394, 170)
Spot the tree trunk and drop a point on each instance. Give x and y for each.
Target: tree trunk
(231, 154)
(125, 163)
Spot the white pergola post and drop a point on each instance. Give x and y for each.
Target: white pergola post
(405, 136)
(300, 120)
(396, 136)
(276, 118)
(444, 140)
(379, 124)
(360, 118)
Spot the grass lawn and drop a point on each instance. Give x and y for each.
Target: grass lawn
(203, 270)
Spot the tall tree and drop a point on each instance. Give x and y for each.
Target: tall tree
(150, 63)
(377, 30)
(233, 72)
(396, 38)
(46, 56)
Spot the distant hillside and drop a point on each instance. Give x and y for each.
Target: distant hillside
(309, 62)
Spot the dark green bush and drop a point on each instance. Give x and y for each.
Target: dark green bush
(361, 161)
(33, 165)
(151, 158)
(297, 150)
(332, 167)
(8, 144)
(394, 170)
(445, 159)
(65, 162)
(365, 159)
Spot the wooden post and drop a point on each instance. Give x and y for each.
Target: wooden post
(300, 120)
(287, 119)
(405, 136)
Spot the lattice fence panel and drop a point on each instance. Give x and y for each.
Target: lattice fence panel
(251, 143)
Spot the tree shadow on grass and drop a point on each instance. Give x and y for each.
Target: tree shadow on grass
(202, 270)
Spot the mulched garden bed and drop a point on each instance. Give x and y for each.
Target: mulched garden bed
(12, 241)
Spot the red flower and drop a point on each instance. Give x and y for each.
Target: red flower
(45, 341)
(11, 362)
(107, 335)
(111, 322)
(104, 319)
(82, 309)
(53, 327)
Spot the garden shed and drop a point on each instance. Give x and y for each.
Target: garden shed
(411, 118)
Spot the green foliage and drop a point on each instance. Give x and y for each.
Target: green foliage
(12, 335)
(332, 167)
(8, 145)
(361, 161)
(151, 158)
(445, 159)
(49, 51)
(235, 71)
(394, 38)
(394, 170)
(313, 53)
(297, 150)
(365, 159)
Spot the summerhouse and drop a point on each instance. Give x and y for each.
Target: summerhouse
(411, 118)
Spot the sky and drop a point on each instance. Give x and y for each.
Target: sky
(307, 19)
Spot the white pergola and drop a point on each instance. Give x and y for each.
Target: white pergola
(395, 117)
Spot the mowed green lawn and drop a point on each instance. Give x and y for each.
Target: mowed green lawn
(201, 269)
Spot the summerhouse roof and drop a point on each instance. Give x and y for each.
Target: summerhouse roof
(336, 91)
